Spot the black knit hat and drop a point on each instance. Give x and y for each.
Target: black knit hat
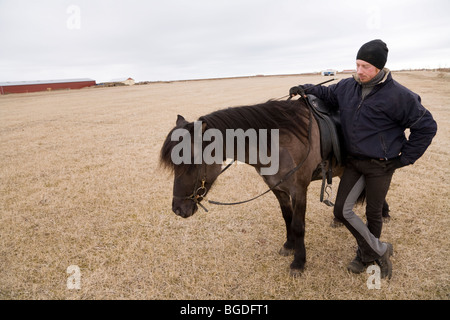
(374, 52)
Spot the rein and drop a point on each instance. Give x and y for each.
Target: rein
(198, 195)
(286, 176)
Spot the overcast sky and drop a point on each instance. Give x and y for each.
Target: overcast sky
(194, 39)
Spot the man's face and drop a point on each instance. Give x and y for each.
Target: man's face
(365, 71)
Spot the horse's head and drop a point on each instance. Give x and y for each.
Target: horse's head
(190, 188)
(192, 180)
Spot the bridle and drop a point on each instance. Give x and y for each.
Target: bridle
(199, 193)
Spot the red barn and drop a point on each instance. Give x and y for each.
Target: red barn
(41, 85)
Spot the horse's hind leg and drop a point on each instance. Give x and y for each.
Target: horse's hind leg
(286, 209)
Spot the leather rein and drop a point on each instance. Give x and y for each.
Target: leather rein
(199, 192)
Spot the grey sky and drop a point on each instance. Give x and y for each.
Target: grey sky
(174, 39)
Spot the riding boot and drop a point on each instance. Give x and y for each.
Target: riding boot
(385, 263)
(357, 265)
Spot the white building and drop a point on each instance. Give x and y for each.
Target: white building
(125, 81)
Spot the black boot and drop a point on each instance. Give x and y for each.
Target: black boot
(385, 263)
(357, 265)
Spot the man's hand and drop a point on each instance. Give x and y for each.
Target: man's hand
(395, 164)
(299, 90)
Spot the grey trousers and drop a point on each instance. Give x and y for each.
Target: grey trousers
(375, 177)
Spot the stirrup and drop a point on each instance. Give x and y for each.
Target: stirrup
(330, 194)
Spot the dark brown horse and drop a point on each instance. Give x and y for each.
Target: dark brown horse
(299, 157)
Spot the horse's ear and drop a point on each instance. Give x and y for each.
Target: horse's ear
(181, 121)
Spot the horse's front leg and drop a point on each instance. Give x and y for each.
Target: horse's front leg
(298, 231)
(286, 209)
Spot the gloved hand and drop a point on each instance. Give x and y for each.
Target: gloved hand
(394, 164)
(297, 90)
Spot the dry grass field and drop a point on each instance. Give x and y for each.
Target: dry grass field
(80, 184)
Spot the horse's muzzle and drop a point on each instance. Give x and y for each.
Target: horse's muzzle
(184, 207)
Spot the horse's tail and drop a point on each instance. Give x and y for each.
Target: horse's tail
(361, 198)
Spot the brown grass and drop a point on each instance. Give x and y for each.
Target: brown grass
(80, 185)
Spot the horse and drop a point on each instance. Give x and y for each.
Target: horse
(299, 162)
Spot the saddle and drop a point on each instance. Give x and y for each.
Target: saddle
(331, 140)
(330, 128)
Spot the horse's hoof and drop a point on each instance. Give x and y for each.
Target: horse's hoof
(295, 273)
(286, 252)
(336, 223)
(297, 269)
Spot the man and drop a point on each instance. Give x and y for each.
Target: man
(374, 110)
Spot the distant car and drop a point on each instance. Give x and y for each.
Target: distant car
(329, 72)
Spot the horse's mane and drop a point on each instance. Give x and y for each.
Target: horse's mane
(283, 115)
(287, 116)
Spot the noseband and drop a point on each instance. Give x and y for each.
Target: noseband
(199, 193)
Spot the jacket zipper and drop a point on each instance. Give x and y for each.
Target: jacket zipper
(383, 145)
(360, 104)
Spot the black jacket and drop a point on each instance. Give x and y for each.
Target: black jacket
(374, 127)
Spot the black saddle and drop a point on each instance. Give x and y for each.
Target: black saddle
(330, 129)
(331, 140)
